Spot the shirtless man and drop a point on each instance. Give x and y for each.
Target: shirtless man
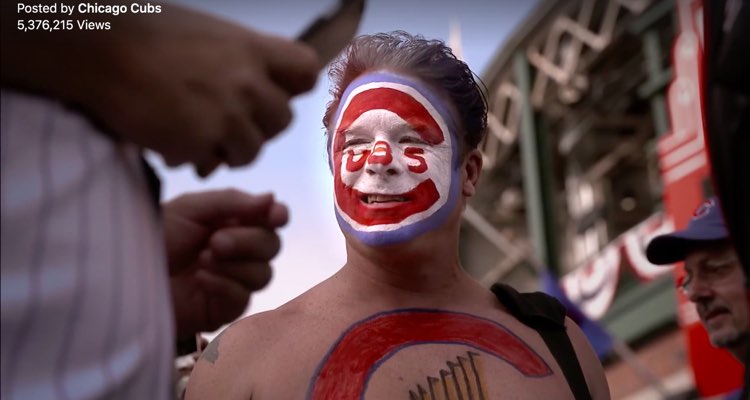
(401, 319)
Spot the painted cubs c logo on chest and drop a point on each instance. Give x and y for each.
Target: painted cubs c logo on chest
(344, 372)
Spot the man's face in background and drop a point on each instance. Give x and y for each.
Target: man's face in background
(715, 282)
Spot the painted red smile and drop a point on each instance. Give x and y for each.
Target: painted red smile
(376, 209)
(383, 200)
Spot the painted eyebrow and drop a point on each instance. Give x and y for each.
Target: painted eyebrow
(349, 132)
(406, 126)
(400, 127)
(403, 126)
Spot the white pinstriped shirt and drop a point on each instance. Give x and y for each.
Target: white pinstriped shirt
(86, 311)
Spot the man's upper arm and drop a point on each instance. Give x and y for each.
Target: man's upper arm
(218, 372)
(590, 364)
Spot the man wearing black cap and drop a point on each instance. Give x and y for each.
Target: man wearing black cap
(713, 280)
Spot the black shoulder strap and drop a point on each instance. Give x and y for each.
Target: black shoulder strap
(547, 316)
(559, 343)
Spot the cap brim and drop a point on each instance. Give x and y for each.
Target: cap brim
(667, 249)
(672, 248)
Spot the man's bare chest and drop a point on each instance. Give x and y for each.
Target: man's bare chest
(426, 354)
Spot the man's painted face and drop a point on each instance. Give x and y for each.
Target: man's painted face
(715, 283)
(394, 159)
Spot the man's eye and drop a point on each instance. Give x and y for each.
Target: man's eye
(712, 269)
(354, 142)
(717, 269)
(411, 140)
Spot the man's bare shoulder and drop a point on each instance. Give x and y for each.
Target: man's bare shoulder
(243, 336)
(235, 360)
(590, 364)
(256, 333)
(218, 373)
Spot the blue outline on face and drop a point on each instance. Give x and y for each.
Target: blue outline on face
(434, 221)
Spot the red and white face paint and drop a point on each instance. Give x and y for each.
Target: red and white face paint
(393, 159)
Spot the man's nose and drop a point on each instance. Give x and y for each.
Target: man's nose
(698, 290)
(380, 160)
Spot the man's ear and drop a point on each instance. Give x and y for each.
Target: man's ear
(472, 167)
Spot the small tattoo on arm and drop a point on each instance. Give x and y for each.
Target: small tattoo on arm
(211, 353)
